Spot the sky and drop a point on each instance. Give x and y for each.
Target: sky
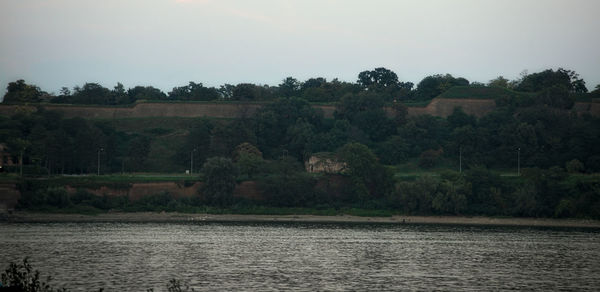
(167, 43)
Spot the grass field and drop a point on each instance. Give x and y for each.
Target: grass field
(111, 178)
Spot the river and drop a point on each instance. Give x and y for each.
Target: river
(305, 257)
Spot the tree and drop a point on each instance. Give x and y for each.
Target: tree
(245, 148)
(92, 93)
(289, 87)
(432, 86)
(351, 105)
(139, 148)
(537, 81)
(320, 90)
(198, 141)
(486, 187)
(65, 91)
(194, 91)
(145, 92)
(226, 91)
(248, 91)
(524, 201)
(415, 197)
(377, 78)
(248, 159)
(250, 164)
(459, 118)
(288, 190)
(400, 113)
(368, 175)
(430, 158)
(596, 92)
(360, 161)
(299, 139)
(500, 81)
(313, 83)
(393, 151)
(219, 180)
(19, 91)
(18, 146)
(119, 95)
(276, 124)
(449, 198)
(385, 83)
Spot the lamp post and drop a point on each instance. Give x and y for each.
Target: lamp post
(519, 161)
(284, 154)
(192, 161)
(460, 159)
(99, 150)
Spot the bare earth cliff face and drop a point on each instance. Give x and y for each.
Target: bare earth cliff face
(439, 107)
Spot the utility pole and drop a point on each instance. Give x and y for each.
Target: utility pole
(460, 159)
(99, 150)
(192, 161)
(21, 163)
(519, 161)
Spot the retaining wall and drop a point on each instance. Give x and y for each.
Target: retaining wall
(439, 107)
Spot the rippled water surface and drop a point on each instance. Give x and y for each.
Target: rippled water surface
(237, 257)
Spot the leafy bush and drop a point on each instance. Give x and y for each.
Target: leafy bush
(57, 197)
(295, 190)
(219, 174)
(22, 277)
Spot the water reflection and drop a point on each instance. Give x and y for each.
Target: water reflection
(211, 256)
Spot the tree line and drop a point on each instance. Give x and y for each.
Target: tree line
(380, 81)
(537, 132)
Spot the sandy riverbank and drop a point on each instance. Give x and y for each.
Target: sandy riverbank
(182, 217)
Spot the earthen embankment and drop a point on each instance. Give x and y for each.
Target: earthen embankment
(439, 107)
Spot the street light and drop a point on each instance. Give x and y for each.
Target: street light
(192, 160)
(460, 159)
(519, 161)
(99, 150)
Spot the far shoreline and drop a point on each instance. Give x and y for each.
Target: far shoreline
(174, 217)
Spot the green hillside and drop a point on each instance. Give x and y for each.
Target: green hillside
(481, 92)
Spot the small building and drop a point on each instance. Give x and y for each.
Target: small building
(324, 162)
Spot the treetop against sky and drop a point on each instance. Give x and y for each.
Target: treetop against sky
(166, 43)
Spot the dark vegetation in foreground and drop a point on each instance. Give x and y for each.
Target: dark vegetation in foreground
(21, 277)
(533, 131)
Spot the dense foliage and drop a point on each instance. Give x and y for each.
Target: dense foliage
(379, 81)
(219, 180)
(537, 132)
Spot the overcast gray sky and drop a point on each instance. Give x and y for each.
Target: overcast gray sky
(166, 43)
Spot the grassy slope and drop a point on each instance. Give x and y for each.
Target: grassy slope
(484, 92)
(479, 92)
